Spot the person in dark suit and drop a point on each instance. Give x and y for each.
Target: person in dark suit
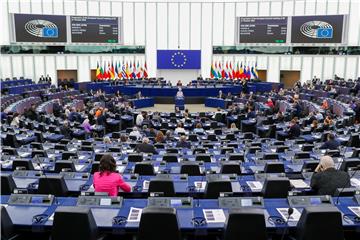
(145, 147)
(48, 79)
(65, 130)
(183, 143)
(31, 113)
(294, 130)
(42, 79)
(327, 179)
(251, 113)
(331, 143)
(57, 108)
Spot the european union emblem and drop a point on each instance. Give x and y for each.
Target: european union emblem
(50, 32)
(178, 59)
(324, 33)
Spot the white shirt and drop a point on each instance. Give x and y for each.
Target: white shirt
(139, 119)
(179, 130)
(180, 94)
(136, 134)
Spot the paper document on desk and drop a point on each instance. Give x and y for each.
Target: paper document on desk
(37, 167)
(134, 215)
(156, 169)
(79, 167)
(355, 182)
(299, 183)
(255, 185)
(214, 215)
(200, 185)
(355, 210)
(24, 154)
(146, 184)
(120, 169)
(295, 216)
(51, 218)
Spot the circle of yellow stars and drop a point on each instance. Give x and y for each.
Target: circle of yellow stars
(178, 54)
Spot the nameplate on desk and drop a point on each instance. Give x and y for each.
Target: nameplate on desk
(214, 215)
(120, 169)
(237, 202)
(294, 217)
(185, 202)
(134, 214)
(146, 184)
(99, 201)
(304, 201)
(30, 199)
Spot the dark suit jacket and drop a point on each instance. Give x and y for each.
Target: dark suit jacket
(326, 182)
(294, 131)
(145, 148)
(66, 132)
(332, 145)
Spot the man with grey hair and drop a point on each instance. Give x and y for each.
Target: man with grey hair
(326, 179)
(145, 147)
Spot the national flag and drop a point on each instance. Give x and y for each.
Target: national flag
(111, 70)
(213, 73)
(220, 72)
(98, 72)
(138, 70)
(232, 71)
(248, 74)
(127, 71)
(241, 71)
(116, 70)
(134, 71)
(255, 72)
(145, 74)
(102, 72)
(123, 71)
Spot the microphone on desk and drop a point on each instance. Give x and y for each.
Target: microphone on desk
(342, 189)
(290, 212)
(38, 162)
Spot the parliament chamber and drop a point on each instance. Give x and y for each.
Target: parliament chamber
(180, 120)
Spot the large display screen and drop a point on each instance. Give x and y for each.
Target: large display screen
(317, 29)
(262, 29)
(86, 29)
(39, 28)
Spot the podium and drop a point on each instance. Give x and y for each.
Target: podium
(180, 103)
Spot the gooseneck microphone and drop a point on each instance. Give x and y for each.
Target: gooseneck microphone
(345, 185)
(290, 212)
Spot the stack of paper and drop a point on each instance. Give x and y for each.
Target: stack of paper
(355, 210)
(200, 185)
(295, 216)
(299, 183)
(355, 182)
(134, 215)
(214, 215)
(255, 185)
(146, 185)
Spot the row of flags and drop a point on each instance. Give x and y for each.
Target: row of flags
(230, 71)
(116, 70)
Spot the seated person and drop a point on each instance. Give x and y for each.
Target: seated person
(107, 179)
(233, 127)
(15, 120)
(179, 129)
(135, 133)
(65, 130)
(160, 137)
(229, 96)
(325, 105)
(107, 140)
(221, 95)
(251, 113)
(294, 130)
(327, 179)
(199, 129)
(269, 103)
(182, 143)
(31, 113)
(331, 143)
(145, 147)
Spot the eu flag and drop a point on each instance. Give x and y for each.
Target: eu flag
(178, 59)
